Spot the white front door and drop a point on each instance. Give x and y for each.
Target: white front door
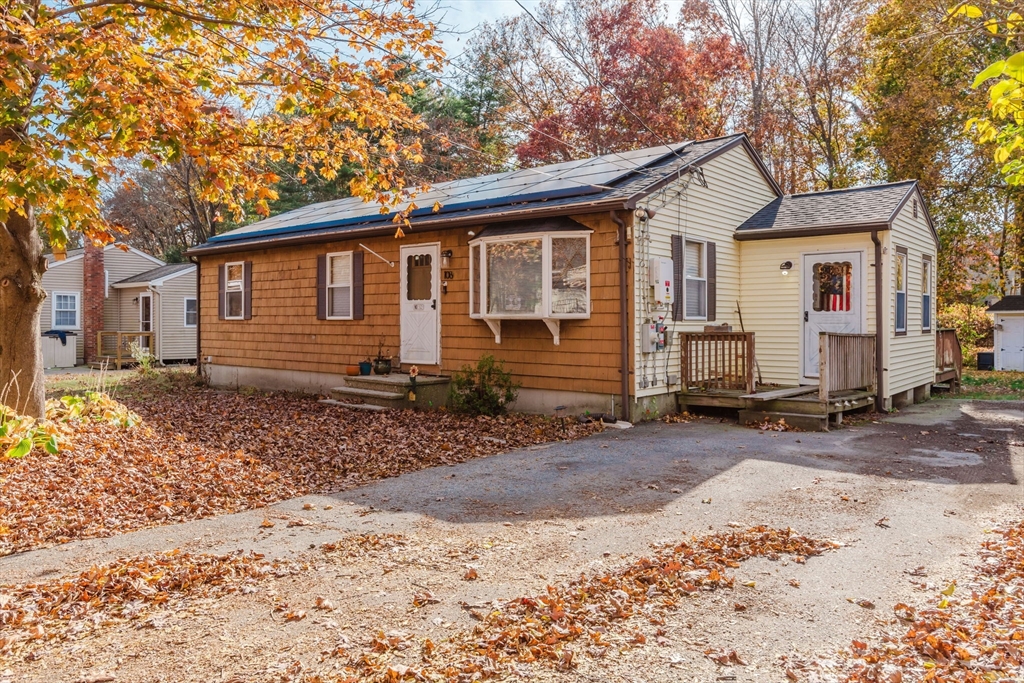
(145, 316)
(421, 304)
(1011, 343)
(833, 292)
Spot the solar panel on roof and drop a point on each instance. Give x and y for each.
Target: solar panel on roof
(564, 179)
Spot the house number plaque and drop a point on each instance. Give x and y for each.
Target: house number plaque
(449, 275)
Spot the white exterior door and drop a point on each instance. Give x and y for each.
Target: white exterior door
(421, 304)
(145, 316)
(833, 294)
(1011, 343)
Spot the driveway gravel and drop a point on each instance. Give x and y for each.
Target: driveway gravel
(909, 496)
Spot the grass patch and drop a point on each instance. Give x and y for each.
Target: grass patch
(991, 385)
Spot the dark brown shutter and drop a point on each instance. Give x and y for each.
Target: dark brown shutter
(247, 291)
(321, 287)
(712, 282)
(677, 277)
(357, 285)
(221, 275)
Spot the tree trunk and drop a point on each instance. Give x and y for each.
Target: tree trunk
(21, 299)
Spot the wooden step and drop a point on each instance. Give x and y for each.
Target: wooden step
(782, 393)
(807, 423)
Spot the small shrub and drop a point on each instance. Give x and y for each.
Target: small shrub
(486, 389)
(973, 326)
(143, 356)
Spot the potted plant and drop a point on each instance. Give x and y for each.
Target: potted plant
(382, 363)
(365, 366)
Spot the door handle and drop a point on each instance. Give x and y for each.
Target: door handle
(806, 317)
(433, 304)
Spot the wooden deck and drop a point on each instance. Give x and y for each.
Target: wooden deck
(801, 407)
(718, 372)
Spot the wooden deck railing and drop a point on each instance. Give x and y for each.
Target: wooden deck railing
(948, 354)
(718, 360)
(845, 361)
(114, 345)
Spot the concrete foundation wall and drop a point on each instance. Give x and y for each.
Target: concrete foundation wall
(538, 401)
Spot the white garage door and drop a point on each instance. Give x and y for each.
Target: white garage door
(1011, 344)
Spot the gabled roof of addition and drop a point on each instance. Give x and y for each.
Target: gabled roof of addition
(75, 254)
(1013, 303)
(156, 276)
(606, 182)
(854, 209)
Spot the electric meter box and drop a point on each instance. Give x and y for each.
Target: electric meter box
(661, 277)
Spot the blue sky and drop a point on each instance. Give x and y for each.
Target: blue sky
(465, 15)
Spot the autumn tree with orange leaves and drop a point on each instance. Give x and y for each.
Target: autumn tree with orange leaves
(233, 86)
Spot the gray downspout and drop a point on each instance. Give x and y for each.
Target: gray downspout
(623, 313)
(880, 327)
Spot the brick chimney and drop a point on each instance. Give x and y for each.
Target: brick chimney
(93, 293)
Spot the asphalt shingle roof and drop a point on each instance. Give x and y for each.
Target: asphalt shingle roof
(863, 205)
(51, 259)
(1008, 303)
(156, 274)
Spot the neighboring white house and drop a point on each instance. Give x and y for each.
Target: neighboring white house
(118, 288)
(1008, 316)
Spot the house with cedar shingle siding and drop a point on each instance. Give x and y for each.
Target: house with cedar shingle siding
(636, 283)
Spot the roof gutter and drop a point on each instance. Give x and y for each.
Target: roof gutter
(329, 235)
(809, 231)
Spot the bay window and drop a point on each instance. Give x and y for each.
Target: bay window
(533, 276)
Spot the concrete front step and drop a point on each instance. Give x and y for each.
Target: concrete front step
(384, 399)
(394, 391)
(352, 406)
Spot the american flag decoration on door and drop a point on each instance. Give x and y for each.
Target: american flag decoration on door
(835, 283)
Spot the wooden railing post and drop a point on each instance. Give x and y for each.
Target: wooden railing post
(823, 366)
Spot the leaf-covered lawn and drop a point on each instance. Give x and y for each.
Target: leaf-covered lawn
(202, 452)
(985, 384)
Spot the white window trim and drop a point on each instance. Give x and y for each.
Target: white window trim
(546, 250)
(184, 316)
(78, 311)
(473, 291)
(227, 289)
(897, 291)
(687, 278)
(351, 285)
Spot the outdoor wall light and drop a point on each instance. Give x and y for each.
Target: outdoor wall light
(786, 267)
(446, 259)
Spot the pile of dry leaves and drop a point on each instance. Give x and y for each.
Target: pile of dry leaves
(596, 613)
(122, 590)
(976, 638)
(201, 452)
(322, 448)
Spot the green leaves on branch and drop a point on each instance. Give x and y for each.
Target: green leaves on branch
(1004, 126)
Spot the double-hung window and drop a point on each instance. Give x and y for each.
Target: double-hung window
(234, 285)
(66, 311)
(339, 286)
(695, 287)
(191, 311)
(531, 275)
(901, 290)
(926, 294)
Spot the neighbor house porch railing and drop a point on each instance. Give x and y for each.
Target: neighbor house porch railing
(718, 360)
(845, 361)
(114, 346)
